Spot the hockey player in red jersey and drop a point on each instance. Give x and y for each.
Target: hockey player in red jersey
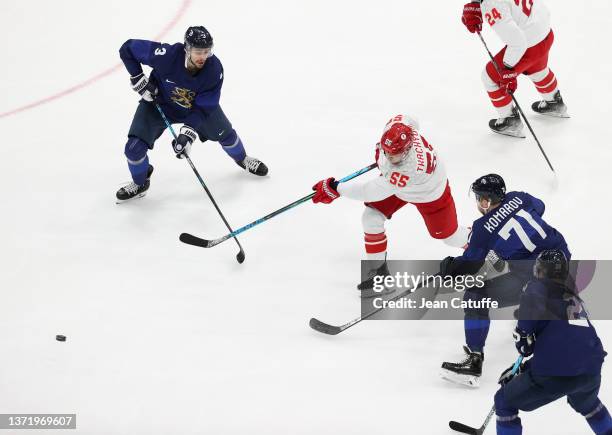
(411, 172)
(524, 26)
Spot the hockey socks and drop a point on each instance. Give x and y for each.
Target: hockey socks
(233, 146)
(138, 161)
(476, 332)
(509, 427)
(376, 246)
(139, 170)
(545, 82)
(600, 420)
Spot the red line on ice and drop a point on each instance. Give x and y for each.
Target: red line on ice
(98, 76)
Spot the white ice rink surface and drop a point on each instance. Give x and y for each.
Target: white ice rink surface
(164, 338)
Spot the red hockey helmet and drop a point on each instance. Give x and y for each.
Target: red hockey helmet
(397, 138)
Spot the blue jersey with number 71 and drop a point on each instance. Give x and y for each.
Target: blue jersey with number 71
(515, 231)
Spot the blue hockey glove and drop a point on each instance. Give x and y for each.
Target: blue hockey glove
(507, 374)
(445, 266)
(142, 85)
(524, 342)
(182, 144)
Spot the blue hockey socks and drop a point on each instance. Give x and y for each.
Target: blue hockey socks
(138, 161)
(232, 145)
(508, 421)
(600, 420)
(476, 332)
(512, 427)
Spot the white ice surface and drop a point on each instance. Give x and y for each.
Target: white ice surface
(164, 338)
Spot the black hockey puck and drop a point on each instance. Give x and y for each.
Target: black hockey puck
(60, 337)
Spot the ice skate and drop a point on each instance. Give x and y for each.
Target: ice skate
(508, 126)
(253, 166)
(466, 372)
(366, 287)
(134, 190)
(556, 107)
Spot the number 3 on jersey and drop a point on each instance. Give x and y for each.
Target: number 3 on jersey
(398, 179)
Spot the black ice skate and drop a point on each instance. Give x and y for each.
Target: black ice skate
(254, 166)
(509, 126)
(466, 372)
(134, 190)
(556, 107)
(367, 286)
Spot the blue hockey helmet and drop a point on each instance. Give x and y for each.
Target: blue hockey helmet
(551, 264)
(491, 187)
(198, 37)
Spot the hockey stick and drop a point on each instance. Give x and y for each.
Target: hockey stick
(328, 329)
(517, 105)
(203, 243)
(460, 427)
(240, 256)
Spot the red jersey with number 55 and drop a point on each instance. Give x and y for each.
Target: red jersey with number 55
(520, 24)
(419, 178)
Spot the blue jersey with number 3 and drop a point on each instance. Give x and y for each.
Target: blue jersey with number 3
(566, 342)
(184, 97)
(515, 231)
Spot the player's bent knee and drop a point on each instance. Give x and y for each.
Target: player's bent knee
(229, 138)
(539, 76)
(488, 82)
(136, 150)
(502, 408)
(373, 221)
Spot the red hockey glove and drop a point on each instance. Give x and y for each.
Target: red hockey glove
(472, 17)
(325, 191)
(507, 79)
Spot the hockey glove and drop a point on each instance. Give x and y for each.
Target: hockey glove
(325, 191)
(182, 144)
(446, 266)
(524, 342)
(507, 374)
(472, 17)
(142, 85)
(507, 79)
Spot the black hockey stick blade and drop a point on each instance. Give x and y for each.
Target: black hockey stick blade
(240, 256)
(317, 325)
(460, 427)
(196, 241)
(190, 239)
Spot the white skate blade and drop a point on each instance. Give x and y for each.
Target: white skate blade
(555, 115)
(370, 293)
(455, 378)
(120, 201)
(516, 133)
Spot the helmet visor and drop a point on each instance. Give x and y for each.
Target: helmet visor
(203, 53)
(396, 159)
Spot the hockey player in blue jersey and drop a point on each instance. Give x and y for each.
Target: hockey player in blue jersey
(511, 228)
(186, 81)
(567, 354)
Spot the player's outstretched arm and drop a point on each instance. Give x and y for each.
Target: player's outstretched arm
(370, 191)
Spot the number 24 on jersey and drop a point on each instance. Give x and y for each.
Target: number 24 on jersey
(495, 16)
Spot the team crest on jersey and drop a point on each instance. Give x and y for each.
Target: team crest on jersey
(183, 97)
